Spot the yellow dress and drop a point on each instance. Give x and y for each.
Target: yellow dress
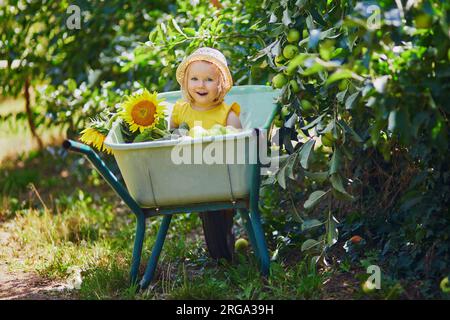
(183, 112)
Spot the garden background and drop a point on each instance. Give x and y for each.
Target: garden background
(366, 181)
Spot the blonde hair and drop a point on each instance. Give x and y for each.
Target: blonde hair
(220, 87)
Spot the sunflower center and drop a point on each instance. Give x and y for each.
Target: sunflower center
(143, 113)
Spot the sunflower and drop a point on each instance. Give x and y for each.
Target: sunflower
(95, 135)
(142, 111)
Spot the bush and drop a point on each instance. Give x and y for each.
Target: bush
(372, 122)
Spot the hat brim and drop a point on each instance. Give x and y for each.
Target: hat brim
(226, 75)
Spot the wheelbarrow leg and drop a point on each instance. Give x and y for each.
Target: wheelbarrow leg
(260, 242)
(255, 219)
(137, 250)
(153, 261)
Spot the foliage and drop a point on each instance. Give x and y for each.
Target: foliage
(231, 29)
(372, 137)
(76, 66)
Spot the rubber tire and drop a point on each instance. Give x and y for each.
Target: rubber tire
(218, 232)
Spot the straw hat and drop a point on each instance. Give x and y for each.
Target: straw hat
(210, 55)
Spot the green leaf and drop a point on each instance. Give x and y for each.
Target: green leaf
(337, 183)
(281, 177)
(341, 95)
(308, 244)
(314, 122)
(335, 162)
(290, 166)
(305, 153)
(177, 27)
(286, 17)
(315, 68)
(352, 132)
(296, 61)
(392, 120)
(351, 101)
(311, 223)
(190, 31)
(332, 231)
(309, 22)
(71, 85)
(314, 199)
(339, 75)
(342, 196)
(317, 176)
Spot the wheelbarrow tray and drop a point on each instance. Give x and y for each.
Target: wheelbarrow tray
(185, 171)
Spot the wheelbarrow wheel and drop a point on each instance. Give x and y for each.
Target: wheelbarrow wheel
(219, 237)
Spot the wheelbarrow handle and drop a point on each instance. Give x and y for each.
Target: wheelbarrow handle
(105, 173)
(77, 147)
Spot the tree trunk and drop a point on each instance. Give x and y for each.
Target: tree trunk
(30, 113)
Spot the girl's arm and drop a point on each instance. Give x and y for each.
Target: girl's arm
(233, 120)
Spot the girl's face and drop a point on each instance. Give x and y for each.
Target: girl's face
(203, 83)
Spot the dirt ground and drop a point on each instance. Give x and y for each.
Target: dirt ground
(19, 285)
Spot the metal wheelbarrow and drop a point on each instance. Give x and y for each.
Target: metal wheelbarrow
(148, 169)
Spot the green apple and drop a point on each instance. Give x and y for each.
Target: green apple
(293, 35)
(368, 287)
(216, 130)
(279, 80)
(279, 61)
(306, 107)
(326, 141)
(289, 72)
(305, 33)
(198, 132)
(290, 51)
(423, 21)
(444, 285)
(241, 245)
(231, 130)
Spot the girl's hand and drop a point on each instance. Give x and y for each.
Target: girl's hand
(233, 120)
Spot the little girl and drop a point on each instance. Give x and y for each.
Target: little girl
(205, 79)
